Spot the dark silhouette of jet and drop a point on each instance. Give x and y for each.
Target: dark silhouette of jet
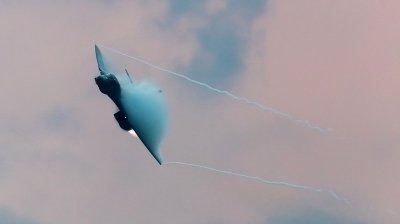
(109, 85)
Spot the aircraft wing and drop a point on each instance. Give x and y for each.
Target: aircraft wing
(99, 58)
(154, 150)
(146, 110)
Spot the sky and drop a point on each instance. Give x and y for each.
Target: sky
(335, 63)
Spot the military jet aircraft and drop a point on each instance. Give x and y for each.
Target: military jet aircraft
(127, 117)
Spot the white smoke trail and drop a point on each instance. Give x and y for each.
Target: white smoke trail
(339, 198)
(279, 183)
(249, 177)
(269, 182)
(307, 123)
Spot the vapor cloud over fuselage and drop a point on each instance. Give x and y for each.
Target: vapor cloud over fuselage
(142, 106)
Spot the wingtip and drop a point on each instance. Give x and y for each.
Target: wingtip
(158, 160)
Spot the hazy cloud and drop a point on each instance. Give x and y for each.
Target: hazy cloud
(222, 39)
(310, 216)
(10, 218)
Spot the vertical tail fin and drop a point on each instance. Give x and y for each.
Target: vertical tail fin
(128, 75)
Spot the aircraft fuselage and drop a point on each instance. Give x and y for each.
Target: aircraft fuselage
(109, 85)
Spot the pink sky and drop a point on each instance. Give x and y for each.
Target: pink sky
(63, 158)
